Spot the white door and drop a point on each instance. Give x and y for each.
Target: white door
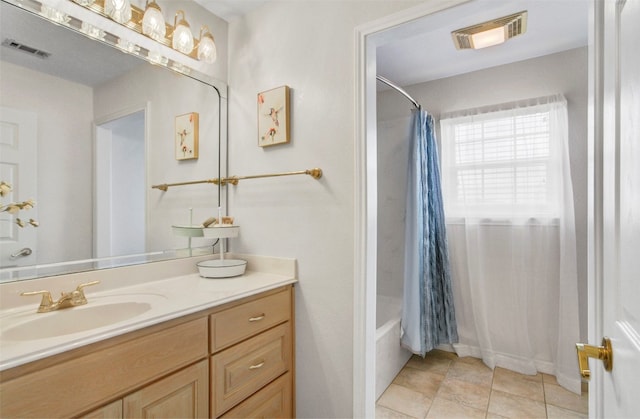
(18, 138)
(616, 394)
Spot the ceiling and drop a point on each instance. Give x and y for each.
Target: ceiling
(416, 52)
(73, 56)
(423, 50)
(231, 9)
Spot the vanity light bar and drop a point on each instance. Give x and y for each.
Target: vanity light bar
(135, 23)
(108, 38)
(315, 173)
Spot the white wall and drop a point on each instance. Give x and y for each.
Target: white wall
(64, 158)
(564, 72)
(309, 46)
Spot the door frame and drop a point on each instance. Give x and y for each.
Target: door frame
(595, 214)
(368, 37)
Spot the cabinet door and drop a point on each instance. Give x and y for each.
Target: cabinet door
(245, 368)
(184, 394)
(110, 411)
(273, 401)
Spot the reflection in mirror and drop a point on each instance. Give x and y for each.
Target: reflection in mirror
(96, 128)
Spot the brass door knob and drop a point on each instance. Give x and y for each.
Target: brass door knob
(604, 352)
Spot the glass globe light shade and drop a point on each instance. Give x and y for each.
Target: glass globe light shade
(182, 39)
(153, 24)
(207, 51)
(118, 10)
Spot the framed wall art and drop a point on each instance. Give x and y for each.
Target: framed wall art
(273, 116)
(187, 136)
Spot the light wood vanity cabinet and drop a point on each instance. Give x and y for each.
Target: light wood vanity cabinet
(234, 360)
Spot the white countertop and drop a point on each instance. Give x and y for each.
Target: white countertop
(168, 298)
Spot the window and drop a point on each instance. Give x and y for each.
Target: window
(505, 162)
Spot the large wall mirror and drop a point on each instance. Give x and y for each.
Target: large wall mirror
(85, 133)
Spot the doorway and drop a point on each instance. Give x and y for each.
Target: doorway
(369, 39)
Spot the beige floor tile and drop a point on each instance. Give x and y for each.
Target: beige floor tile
(472, 370)
(385, 413)
(549, 379)
(444, 408)
(555, 412)
(406, 401)
(435, 364)
(529, 386)
(442, 354)
(465, 393)
(558, 396)
(512, 406)
(495, 416)
(472, 360)
(423, 381)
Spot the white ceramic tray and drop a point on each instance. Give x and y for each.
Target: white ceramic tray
(221, 268)
(188, 231)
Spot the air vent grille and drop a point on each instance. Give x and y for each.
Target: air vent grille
(514, 25)
(13, 44)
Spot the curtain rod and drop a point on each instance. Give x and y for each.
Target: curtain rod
(315, 173)
(400, 90)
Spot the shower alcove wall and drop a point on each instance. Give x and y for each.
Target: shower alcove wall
(393, 148)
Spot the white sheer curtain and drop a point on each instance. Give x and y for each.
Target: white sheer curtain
(510, 223)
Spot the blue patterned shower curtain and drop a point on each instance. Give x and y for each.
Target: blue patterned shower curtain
(428, 316)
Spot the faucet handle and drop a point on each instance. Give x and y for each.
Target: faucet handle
(78, 294)
(81, 286)
(46, 301)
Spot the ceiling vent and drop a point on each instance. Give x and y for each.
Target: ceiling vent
(490, 33)
(13, 44)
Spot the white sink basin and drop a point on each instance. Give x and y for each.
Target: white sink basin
(97, 313)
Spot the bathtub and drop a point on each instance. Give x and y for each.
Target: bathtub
(390, 356)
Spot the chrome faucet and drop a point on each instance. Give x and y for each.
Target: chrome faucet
(67, 299)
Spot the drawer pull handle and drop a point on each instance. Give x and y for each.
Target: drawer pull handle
(257, 318)
(257, 366)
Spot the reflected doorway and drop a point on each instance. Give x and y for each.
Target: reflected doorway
(120, 195)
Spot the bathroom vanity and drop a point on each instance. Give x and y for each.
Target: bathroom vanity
(208, 348)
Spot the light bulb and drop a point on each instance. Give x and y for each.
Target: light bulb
(488, 38)
(182, 37)
(153, 24)
(118, 10)
(207, 51)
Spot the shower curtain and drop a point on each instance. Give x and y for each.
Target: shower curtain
(428, 315)
(514, 269)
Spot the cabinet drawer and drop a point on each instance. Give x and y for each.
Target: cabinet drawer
(273, 401)
(237, 323)
(243, 369)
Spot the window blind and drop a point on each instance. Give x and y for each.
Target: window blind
(501, 162)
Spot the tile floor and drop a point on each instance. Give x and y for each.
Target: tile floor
(445, 386)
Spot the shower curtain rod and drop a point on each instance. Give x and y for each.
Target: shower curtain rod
(400, 90)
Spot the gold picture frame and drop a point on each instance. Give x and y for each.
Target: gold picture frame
(273, 116)
(186, 136)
